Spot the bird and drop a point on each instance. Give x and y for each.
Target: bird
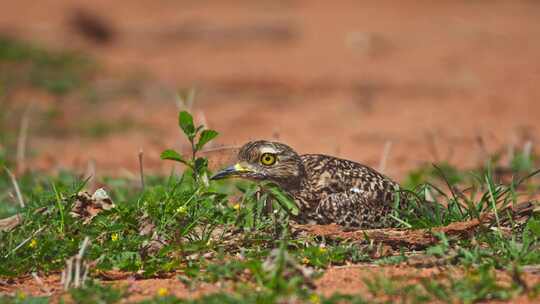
(325, 188)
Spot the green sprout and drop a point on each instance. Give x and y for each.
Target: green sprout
(198, 137)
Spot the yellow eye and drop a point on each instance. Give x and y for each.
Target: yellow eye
(268, 159)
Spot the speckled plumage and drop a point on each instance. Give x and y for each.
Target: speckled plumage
(327, 189)
(344, 192)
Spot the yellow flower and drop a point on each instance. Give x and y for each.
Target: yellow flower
(21, 295)
(162, 292)
(315, 299)
(181, 210)
(322, 249)
(114, 237)
(305, 260)
(236, 206)
(33, 244)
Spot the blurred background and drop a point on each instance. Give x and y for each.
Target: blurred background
(393, 85)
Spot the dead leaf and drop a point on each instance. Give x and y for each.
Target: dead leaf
(86, 207)
(156, 242)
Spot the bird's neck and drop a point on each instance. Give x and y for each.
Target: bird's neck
(293, 184)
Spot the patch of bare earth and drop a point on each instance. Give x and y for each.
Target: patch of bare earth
(138, 290)
(339, 78)
(349, 279)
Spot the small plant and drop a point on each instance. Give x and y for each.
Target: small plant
(198, 137)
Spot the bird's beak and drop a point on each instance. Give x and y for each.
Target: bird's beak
(236, 170)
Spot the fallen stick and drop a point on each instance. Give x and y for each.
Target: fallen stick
(7, 224)
(395, 237)
(422, 238)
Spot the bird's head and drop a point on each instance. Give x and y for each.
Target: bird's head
(266, 160)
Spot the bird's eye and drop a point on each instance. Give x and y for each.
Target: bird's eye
(268, 159)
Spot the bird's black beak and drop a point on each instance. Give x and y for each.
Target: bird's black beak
(236, 170)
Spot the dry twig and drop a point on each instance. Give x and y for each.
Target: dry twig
(141, 167)
(91, 175)
(421, 238)
(16, 187)
(409, 238)
(384, 157)
(74, 265)
(22, 141)
(25, 241)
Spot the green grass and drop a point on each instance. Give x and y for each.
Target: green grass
(28, 65)
(204, 231)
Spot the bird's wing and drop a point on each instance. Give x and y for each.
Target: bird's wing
(353, 210)
(333, 175)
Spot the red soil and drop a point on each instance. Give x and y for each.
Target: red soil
(340, 78)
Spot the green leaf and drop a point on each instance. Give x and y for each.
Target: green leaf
(206, 136)
(200, 164)
(173, 155)
(185, 120)
(283, 199)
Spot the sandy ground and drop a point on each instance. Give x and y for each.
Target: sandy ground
(444, 80)
(342, 78)
(343, 279)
